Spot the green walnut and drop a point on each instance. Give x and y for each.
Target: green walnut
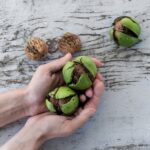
(126, 31)
(62, 100)
(79, 73)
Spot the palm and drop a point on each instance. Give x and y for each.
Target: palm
(46, 78)
(59, 126)
(38, 92)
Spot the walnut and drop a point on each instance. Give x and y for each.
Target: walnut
(36, 48)
(69, 43)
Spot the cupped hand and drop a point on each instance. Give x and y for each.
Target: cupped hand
(46, 78)
(52, 126)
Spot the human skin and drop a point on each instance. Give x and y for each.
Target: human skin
(29, 101)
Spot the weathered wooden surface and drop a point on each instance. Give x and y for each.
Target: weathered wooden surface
(122, 122)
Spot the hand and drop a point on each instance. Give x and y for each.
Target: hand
(46, 78)
(46, 126)
(52, 126)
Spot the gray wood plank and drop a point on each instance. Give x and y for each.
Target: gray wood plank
(125, 70)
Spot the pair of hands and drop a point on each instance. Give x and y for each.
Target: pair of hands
(46, 78)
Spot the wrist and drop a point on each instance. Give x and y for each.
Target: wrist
(30, 102)
(33, 134)
(27, 105)
(35, 131)
(27, 138)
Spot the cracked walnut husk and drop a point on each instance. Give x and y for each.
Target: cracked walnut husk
(36, 48)
(126, 31)
(62, 100)
(69, 43)
(80, 73)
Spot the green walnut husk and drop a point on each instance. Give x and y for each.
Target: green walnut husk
(80, 73)
(62, 100)
(126, 31)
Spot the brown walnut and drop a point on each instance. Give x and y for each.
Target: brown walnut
(36, 48)
(69, 43)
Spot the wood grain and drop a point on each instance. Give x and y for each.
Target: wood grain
(90, 20)
(118, 124)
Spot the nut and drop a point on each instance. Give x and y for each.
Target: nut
(126, 31)
(69, 43)
(36, 48)
(80, 73)
(62, 100)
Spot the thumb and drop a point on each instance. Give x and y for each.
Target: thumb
(57, 64)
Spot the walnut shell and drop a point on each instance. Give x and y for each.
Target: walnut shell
(62, 100)
(69, 43)
(80, 73)
(36, 48)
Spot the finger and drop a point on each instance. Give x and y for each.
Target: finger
(99, 76)
(56, 80)
(89, 93)
(98, 88)
(97, 62)
(60, 78)
(82, 118)
(57, 64)
(82, 98)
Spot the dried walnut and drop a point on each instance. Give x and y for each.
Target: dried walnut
(36, 48)
(69, 43)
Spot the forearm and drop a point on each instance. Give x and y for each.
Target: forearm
(12, 106)
(28, 138)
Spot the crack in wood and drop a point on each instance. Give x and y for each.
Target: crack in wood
(120, 63)
(125, 147)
